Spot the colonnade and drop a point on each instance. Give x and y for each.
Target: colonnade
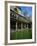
(25, 26)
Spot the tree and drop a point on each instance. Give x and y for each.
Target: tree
(15, 9)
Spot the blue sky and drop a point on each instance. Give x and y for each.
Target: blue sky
(28, 9)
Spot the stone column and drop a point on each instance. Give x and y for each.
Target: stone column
(27, 26)
(21, 26)
(16, 26)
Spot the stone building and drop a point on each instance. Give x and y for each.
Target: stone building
(18, 21)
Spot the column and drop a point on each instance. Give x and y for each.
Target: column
(27, 26)
(16, 26)
(21, 26)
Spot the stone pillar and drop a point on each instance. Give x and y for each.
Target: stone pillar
(16, 26)
(21, 26)
(27, 26)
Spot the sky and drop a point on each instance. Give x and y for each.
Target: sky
(28, 9)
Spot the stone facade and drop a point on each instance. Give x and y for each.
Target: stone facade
(18, 22)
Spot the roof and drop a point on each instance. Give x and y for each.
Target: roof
(21, 18)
